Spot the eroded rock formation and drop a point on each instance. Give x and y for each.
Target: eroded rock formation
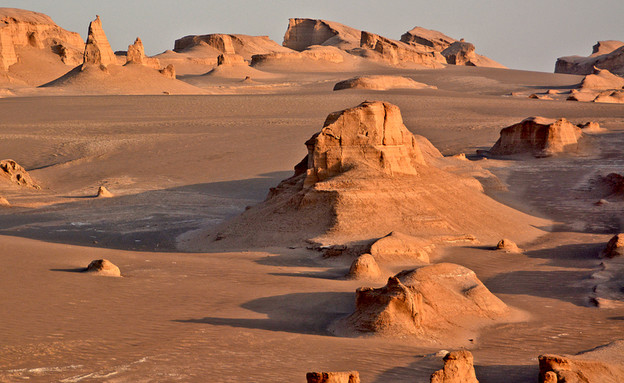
(428, 37)
(333, 377)
(429, 301)
(508, 246)
(16, 174)
(219, 43)
(604, 364)
(458, 368)
(20, 28)
(398, 53)
(136, 55)
(103, 267)
(304, 33)
(98, 51)
(538, 136)
(104, 193)
(169, 71)
(615, 247)
(230, 59)
(364, 267)
(398, 246)
(605, 55)
(381, 83)
(602, 79)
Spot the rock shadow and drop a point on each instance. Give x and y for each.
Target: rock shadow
(301, 313)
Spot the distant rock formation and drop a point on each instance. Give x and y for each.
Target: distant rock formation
(333, 377)
(538, 136)
(364, 267)
(317, 54)
(604, 364)
(301, 34)
(397, 53)
(136, 55)
(215, 44)
(168, 71)
(458, 368)
(103, 267)
(381, 83)
(98, 51)
(16, 174)
(428, 37)
(429, 302)
(605, 55)
(508, 246)
(460, 53)
(365, 163)
(4, 202)
(615, 247)
(21, 28)
(602, 79)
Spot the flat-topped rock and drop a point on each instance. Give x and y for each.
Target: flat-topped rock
(212, 45)
(399, 246)
(428, 37)
(381, 82)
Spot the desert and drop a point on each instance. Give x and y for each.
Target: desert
(343, 205)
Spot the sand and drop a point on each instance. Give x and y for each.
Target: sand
(177, 163)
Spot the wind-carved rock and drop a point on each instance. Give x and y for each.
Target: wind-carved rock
(605, 55)
(98, 51)
(427, 37)
(604, 364)
(396, 52)
(458, 368)
(169, 71)
(136, 55)
(16, 174)
(301, 34)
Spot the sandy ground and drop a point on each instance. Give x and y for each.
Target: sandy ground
(178, 163)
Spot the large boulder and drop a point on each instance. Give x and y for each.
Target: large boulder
(20, 28)
(538, 136)
(304, 33)
(458, 368)
(605, 55)
(431, 302)
(98, 51)
(604, 364)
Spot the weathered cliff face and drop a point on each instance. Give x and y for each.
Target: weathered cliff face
(136, 55)
(604, 364)
(605, 55)
(538, 136)
(427, 37)
(21, 28)
(397, 53)
(217, 43)
(458, 368)
(303, 33)
(602, 79)
(98, 50)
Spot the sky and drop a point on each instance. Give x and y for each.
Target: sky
(520, 34)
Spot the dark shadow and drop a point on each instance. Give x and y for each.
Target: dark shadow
(76, 270)
(311, 259)
(333, 274)
(301, 313)
(581, 255)
(507, 373)
(148, 221)
(616, 318)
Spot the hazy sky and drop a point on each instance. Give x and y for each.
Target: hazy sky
(521, 34)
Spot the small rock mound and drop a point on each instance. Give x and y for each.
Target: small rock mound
(168, 71)
(608, 97)
(381, 83)
(399, 246)
(602, 79)
(429, 302)
(4, 202)
(591, 127)
(364, 267)
(540, 96)
(615, 247)
(104, 267)
(538, 136)
(604, 364)
(333, 377)
(508, 246)
(104, 193)
(98, 51)
(458, 368)
(17, 174)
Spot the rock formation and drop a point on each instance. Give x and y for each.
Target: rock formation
(333, 377)
(398, 53)
(136, 55)
(103, 267)
(605, 55)
(168, 71)
(98, 51)
(615, 97)
(16, 174)
(324, 55)
(602, 79)
(460, 53)
(604, 364)
(458, 368)
(427, 37)
(230, 59)
(365, 163)
(4, 202)
(212, 45)
(538, 136)
(21, 28)
(381, 83)
(427, 302)
(508, 246)
(398, 246)
(304, 33)
(364, 267)
(104, 193)
(615, 247)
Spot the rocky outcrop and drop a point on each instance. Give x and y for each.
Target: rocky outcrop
(20, 28)
(169, 72)
(615, 247)
(398, 53)
(381, 83)
(508, 246)
(304, 33)
(605, 55)
(364, 267)
(16, 174)
(98, 51)
(136, 55)
(397, 246)
(317, 54)
(460, 53)
(458, 368)
(333, 377)
(104, 193)
(103, 267)
(538, 136)
(230, 59)
(604, 364)
(602, 79)
(212, 45)
(427, 302)
(438, 41)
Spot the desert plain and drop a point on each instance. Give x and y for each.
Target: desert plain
(184, 156)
